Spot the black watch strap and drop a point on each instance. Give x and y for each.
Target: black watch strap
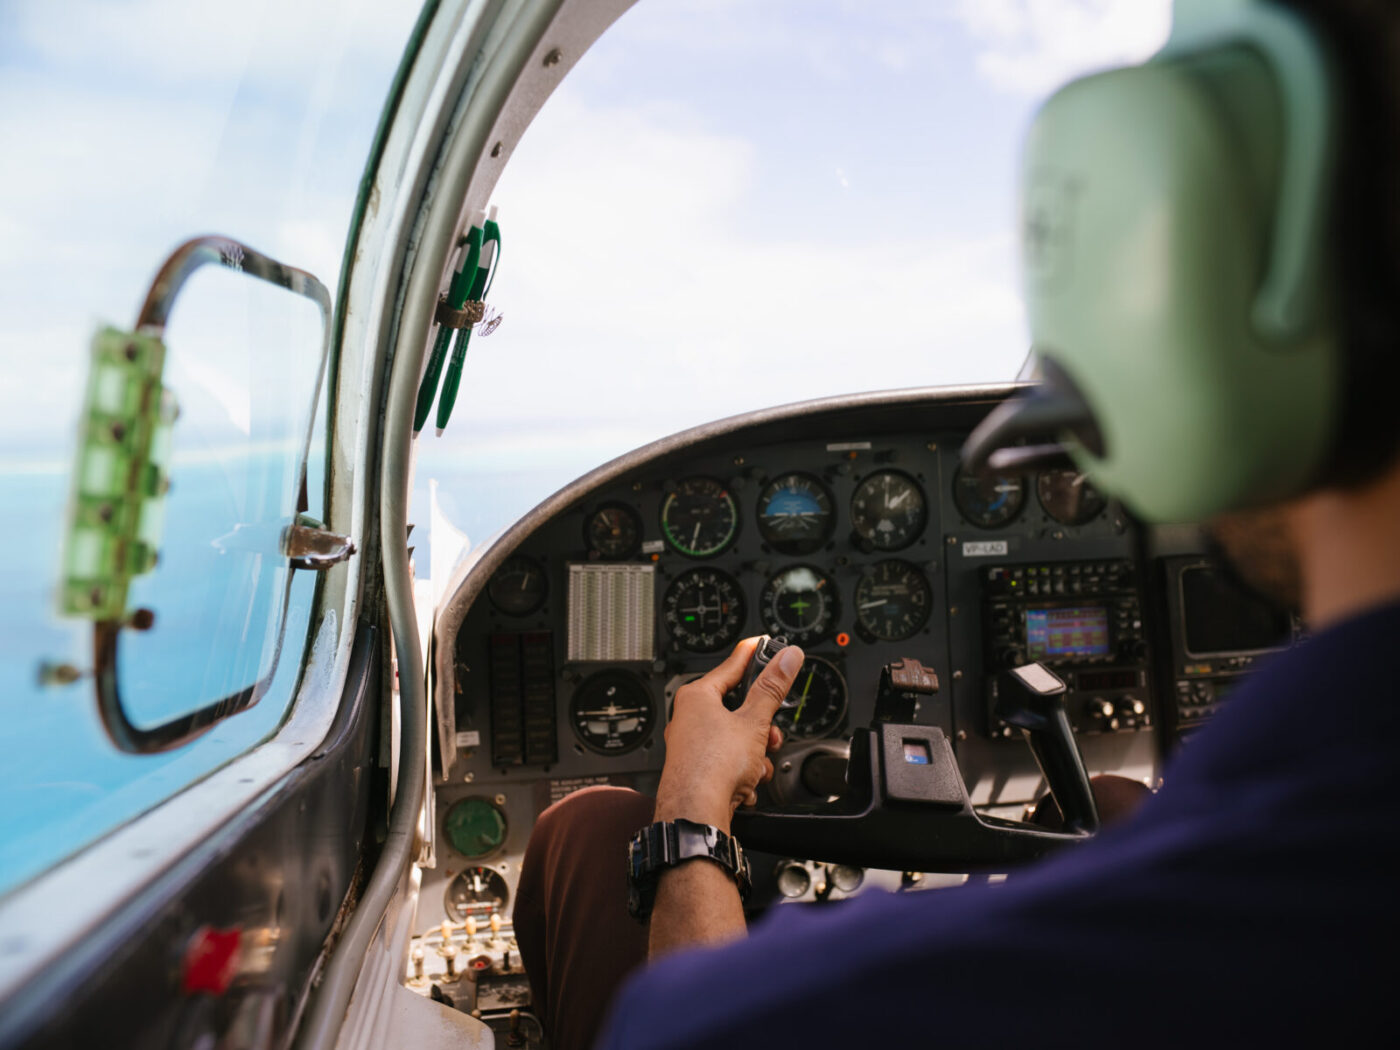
(664, 845)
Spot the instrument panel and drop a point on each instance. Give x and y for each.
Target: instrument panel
(843, 528)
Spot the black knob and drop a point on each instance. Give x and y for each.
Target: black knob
(1011, 656)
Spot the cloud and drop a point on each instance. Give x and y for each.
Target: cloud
(636, 303)
(134, 126)
(1029, 47)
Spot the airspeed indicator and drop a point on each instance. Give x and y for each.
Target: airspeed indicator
(699, 517)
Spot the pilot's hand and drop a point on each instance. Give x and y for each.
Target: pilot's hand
(716, 758)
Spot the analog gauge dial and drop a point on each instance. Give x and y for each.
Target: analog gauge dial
(800, 603)
(614, 531)
(888, 510)
(704, 610)
(893, 599)
(476, 827)
(477, 893)
(816, 704)
(795, 514)
(1068, 496)
(699, 518)
(612, 712)
(519, 586)
(989, 501)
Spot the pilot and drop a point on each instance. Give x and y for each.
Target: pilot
(1251, 901)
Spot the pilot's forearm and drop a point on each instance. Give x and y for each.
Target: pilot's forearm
(696, 903)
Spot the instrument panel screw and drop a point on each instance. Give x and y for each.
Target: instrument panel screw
(500, 800)
(962, 734)
(957, 676)
(553, 57)
(468, 777)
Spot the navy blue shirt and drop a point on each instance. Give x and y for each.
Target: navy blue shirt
(1250, 902)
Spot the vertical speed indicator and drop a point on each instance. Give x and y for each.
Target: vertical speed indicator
(816, 703)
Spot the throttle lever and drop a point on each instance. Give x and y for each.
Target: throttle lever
(1031, 697)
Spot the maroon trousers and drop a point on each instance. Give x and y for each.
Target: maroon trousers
(576, 939)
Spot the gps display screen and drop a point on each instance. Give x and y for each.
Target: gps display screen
(1080, 630)
(1221, 618)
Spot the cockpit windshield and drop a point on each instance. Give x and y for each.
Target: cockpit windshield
(730, 206)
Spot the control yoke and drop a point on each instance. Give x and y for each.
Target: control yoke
(905, 806)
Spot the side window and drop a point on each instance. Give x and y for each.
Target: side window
(128, 130)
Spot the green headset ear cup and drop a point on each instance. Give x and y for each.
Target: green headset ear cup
(1148, 209)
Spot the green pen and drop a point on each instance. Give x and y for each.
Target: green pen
(490, 257)
(458, 293)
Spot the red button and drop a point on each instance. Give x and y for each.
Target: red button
(211, 960)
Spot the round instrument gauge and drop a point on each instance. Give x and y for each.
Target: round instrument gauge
(704, 610)
(478, 893)
(518, 587)
(612, 712)
(800, 603)
(795, 514)
(816, 704)
(1068, 496)
(614, 531)
(989, 501)
(893, 599)
(699, 518)
(888, 510)
(846, 877)
(476, 827)
(792, 878)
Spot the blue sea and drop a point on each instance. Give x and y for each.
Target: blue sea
(214, 593)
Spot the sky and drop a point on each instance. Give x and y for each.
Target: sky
(767, 191)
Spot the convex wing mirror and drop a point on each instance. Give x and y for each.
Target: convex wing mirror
(189, 491)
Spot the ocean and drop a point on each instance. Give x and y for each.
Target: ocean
(214, 596)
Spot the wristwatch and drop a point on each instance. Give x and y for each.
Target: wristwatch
(664, 845)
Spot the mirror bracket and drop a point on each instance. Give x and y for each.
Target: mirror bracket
(308, 544)
(120, 477)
